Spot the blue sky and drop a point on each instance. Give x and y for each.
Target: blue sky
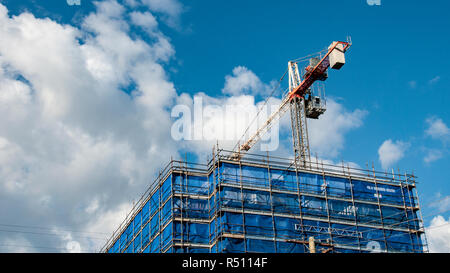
(397, 69)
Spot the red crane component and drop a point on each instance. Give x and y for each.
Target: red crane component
(317, 72)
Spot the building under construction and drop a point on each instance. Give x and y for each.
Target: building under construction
(242, 202)
(266, 204)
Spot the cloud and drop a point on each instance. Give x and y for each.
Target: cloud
(144, 19)
(433, 155)
(73, 247)
(169, 9)
(434, 80)
(437, 129)
(17, 244)
(81, 112)
(438, 235)
(391, 152)
(244, 82)
(412, 84)
(132, 3)
(327, 134)
(442, 204)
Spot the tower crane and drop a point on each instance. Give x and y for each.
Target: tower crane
(301, 101)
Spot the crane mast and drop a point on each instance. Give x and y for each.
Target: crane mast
(301, 101)
(298, 119)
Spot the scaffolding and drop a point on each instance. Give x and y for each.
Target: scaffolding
(263, 203)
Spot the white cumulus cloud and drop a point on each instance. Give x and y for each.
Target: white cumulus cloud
(170, 10)
(144, 19)
(433, 155)
(327, 134)
(391, 152)
(434, 80)
(84, 121)
(438, 235)
(437, 129)
(243, 81)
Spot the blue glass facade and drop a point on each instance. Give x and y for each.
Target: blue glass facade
(252, 206)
